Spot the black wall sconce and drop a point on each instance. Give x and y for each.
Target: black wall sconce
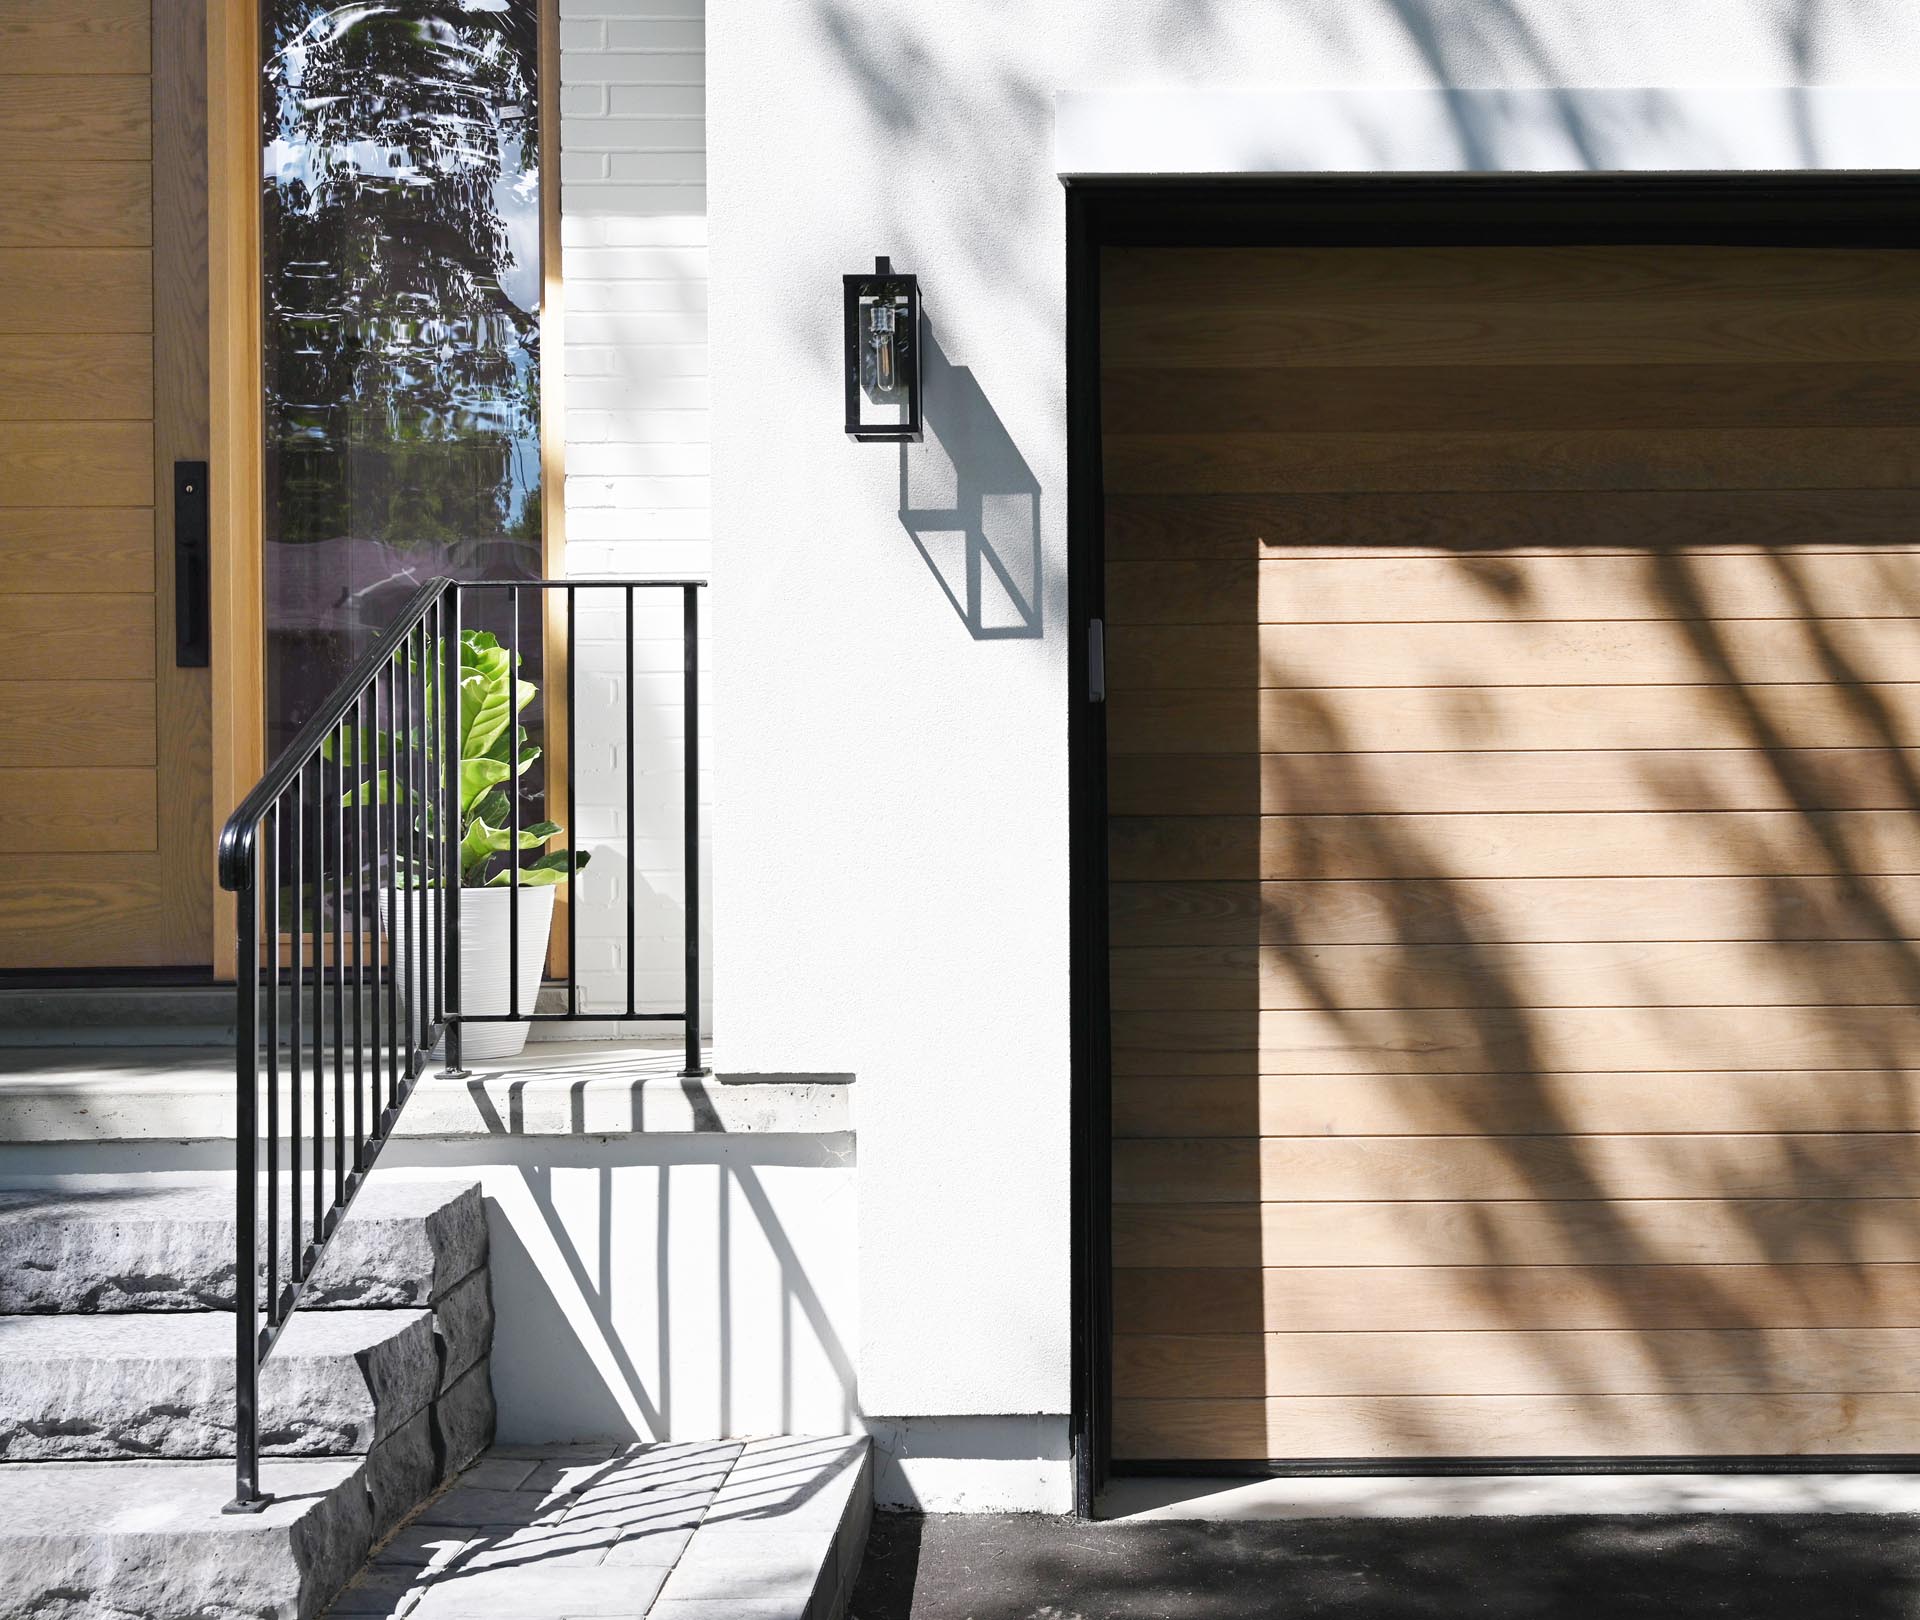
(883, 355)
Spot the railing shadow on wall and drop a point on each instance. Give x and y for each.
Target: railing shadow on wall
(413, 782)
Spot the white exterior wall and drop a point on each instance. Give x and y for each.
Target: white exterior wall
(891, 655)
(634, 259)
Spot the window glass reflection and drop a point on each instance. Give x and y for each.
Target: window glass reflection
(402, 263)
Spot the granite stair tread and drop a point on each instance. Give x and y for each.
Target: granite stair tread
(149, 1538)
(161, 1384)
(403, 1243)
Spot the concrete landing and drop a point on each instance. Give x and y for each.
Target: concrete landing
(708, 1530)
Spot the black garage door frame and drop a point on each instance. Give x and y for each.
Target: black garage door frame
(1749, 210)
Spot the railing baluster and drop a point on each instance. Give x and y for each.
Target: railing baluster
(417, 826)
(403, 832)
(513, 799)
(272, 898)
(690, 765)
(573, 812)
(450, 891)
(377, 865)
(296, 1250)
(395, 953)
(629, 749)
(350, 791)
(437, 794)
(246, 1327)
(339, 809)
(319, 1002)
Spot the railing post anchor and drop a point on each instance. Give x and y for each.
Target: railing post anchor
(244, 1504)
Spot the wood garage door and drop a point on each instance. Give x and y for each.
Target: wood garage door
(106, 847)
(1514, 747)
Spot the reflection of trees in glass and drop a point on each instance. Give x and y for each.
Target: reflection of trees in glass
(402, 314)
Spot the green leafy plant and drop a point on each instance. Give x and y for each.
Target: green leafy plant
(492, 694)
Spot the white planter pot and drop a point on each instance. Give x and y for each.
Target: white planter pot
(484, 953)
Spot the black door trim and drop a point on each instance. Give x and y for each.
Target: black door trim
(1752, 210)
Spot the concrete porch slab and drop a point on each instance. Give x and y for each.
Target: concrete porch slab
(555, 1088)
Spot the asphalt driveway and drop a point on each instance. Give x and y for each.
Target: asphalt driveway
(1796, 1566)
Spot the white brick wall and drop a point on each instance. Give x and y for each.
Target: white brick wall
(634, 232)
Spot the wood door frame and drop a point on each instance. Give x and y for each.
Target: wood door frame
(237, 365)
(1726, 210)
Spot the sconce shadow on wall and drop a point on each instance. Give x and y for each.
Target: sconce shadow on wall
(984, 548)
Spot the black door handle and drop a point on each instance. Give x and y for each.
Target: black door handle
(192, 567)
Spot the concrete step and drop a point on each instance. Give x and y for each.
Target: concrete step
(112, 1387)
(404, 1243)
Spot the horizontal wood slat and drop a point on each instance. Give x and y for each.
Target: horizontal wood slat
(1517, 1426)
(1810, 779)
(1561, 1232)
(1492, 1299)
(62, 289)
(1473, 589)
(1542, 458)
(1225, 1170)
(1517, 1040)
(88, 376)
(50, 723)
(1872, 329)
(76, 464)
(1446, 911)
(1227, 280)
(76, 638)
(1501, 1105)
(1563, 844)
(1741, 1361)
(67, 810)
(60, 202)
(1413, 399)
(59, 36)
(55, 550)
(105, 116)
(1196, 526)
(1617, 974)
(1365, 720)
(1686, 652)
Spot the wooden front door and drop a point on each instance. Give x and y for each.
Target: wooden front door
(105, 843)
(1514, 725)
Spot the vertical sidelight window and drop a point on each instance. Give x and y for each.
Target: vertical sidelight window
(401, 240)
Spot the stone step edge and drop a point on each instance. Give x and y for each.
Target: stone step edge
(404, 1243)
(79, 1403)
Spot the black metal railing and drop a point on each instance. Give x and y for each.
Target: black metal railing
(346, 864)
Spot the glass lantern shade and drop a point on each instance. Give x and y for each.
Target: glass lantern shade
(883, 355)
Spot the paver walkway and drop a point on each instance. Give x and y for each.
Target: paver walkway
(711, 1530)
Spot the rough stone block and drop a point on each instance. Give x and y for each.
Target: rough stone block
(149, 1539)
(405, 1243)
(401, 1472)
(101, 1387)
(463, 1325)
(463, 1420)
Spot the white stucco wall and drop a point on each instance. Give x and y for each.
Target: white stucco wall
(891, 655)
